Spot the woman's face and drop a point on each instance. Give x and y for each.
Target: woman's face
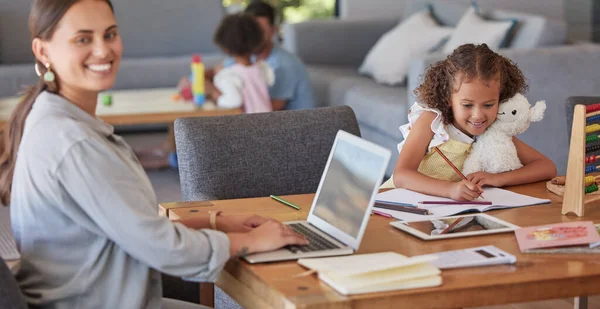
(85, 50)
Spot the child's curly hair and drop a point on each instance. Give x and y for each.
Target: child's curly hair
(239, 35)
(470, 61)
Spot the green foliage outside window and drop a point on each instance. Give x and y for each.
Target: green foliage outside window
(295, 10)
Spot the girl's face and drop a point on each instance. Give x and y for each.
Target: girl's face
(85, 50)
(475, 105)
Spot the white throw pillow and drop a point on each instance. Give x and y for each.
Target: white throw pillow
(472, 28)
(388, 61)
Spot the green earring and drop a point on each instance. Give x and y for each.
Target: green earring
(49, 75)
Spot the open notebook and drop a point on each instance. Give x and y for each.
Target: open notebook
(500, 199)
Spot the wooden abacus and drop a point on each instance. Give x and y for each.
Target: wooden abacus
(581, 161)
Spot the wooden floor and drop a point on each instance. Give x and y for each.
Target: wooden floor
(593, 303)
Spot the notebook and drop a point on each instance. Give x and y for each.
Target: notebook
(500, 199)
(565, 237)
(375, 272)
(8, 248)
(340, 210)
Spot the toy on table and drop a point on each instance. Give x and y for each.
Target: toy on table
(106, 99)
(197, 79)
(494, 150)
(579, 190)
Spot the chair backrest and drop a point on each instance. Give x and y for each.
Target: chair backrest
(570, 107)
(255, 155)
(10, 294)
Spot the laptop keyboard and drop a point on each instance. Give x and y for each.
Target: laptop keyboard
(316, 241)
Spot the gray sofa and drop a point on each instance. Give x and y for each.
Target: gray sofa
(334, 49)
(158, 38)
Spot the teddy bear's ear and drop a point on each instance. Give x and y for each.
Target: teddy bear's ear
(536, 113)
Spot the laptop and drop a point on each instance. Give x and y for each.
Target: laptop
(340, 211)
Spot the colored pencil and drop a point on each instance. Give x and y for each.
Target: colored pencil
(452, 165)
(414, 210)
(394, 203)
(455, 203)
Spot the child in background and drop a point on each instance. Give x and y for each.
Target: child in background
(457, 101)
(243, 84)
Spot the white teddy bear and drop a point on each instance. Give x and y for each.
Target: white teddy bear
(494, 150)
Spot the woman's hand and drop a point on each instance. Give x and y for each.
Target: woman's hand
(485, 179)
(239, 224)
(270, 235)
(464, 190)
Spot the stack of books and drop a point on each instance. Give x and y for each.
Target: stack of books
(375, 272)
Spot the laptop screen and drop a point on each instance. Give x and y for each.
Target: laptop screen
(348, 185)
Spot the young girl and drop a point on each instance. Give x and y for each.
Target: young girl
(244, 84)
(83, 211)
(457, 101)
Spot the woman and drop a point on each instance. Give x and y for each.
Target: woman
(84, 213)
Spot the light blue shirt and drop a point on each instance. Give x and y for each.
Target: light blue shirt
(291, 79)
(85, 218)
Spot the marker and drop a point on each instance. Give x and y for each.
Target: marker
(285, 202)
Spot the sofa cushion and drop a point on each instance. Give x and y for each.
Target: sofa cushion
(377, 107)
(322, 77)
(530, 31)
(16, 78)
(149, 28)
(15, 42)
(157, 71)
(388, 60)
(474, 28)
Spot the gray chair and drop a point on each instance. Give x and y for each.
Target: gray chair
(256, 155)
(10, 294)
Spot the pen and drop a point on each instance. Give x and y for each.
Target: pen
(455, 203)
(393, 203)
(413, 209)
(285, 202)
(383, 214)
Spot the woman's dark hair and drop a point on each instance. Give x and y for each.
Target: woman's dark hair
(466, 63)
(261, 9)
(43, 19)
(239, 35)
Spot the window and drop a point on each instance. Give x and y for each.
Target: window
(291, 10)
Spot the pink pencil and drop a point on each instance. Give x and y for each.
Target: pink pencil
(455, 203)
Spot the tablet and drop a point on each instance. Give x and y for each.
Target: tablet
(455, 226)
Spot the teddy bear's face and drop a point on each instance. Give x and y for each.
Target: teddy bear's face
(513, 115)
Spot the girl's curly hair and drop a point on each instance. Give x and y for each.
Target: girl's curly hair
(470, 61)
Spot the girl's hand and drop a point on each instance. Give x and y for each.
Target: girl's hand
(271, 235)
(485, 179)
(239, 224)
(464, 191)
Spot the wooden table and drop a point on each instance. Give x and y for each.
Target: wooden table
(533, 277)
(141, 106)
